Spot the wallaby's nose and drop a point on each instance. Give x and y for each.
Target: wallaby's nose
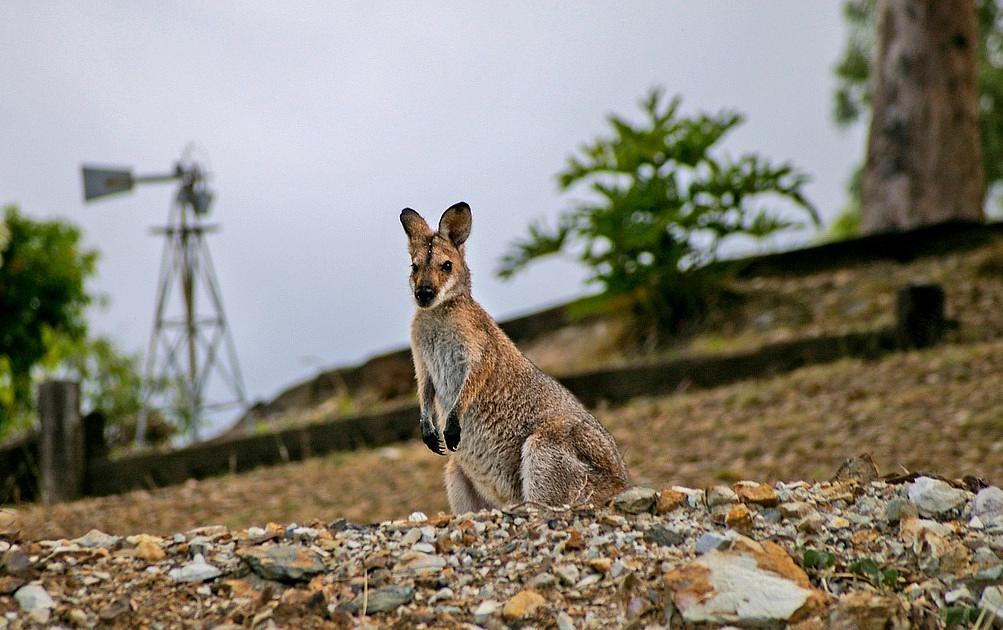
(424, 294)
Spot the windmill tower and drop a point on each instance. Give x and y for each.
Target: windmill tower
(191, 369)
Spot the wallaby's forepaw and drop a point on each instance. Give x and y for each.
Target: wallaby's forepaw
(452, 433)
(430, 436)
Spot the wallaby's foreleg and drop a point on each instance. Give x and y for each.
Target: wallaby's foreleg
(552, 474)
(454, 406)
(426, 398)
(463, 496)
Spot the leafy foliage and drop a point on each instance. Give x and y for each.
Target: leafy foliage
(43, 270)
(661, 206)
(878, 577)
(852, 98)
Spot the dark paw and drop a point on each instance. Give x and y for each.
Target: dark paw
(452, 433)
(432, 440)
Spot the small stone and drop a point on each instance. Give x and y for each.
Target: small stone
(568, 573)
(602, 565)
(149, 551)
(486, 608)
(417, 517)
(543, 581)
(838, 522)
(198, 570)
(771, 515)
(739, 517)
(587, 581)
(757, 494)
(812, 524)
(423, 548)
(669, 500)
(383, 599)
(418, 562)
(721, 495)
(992, 600)
(617, 569)
(522, 605)
(283, 562)
(898, 508)
(17, 564)
(564, 621)
(867, 610)
(412, 536)
(97, 539)
(636, 500)
(933, 496)
(35, 600)
(710, 541)
(694, 498)
(78, 618)
(664, 536)
(796, 509)
(988, 505)
(961, 594)
(441, 594)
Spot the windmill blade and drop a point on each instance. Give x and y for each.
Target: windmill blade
(101, 182)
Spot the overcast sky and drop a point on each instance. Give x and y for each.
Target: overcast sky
(322, 120)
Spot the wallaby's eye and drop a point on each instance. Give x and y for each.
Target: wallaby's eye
(447, 266)
(414, 268)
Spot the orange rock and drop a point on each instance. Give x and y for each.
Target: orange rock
(149, 551)
(739, 517)
(523, 604)
(762, 494)
(668, 500)
(575, 542)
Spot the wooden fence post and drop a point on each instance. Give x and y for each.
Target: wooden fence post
(61, 441)
(921, 322)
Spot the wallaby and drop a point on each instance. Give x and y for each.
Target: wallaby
(516, 434)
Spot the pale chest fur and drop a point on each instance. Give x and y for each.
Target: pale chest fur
(448, 356)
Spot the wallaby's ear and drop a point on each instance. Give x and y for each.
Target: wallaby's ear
(455, 223)
(414, 225)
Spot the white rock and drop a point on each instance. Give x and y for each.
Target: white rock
(989, 504)
(35, 600)
(564, 621)
(733, 588)
(992, 600)
(412, 536)
(97, 538)
(933, 496)
(417, 517)
(198, 570)
(487, 607)
(567, 572)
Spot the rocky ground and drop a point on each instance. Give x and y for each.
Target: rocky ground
(857, 551)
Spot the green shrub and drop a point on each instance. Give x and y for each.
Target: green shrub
(661, 206)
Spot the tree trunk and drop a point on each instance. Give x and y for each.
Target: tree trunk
(924, 160)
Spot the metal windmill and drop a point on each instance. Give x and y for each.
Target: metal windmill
(190, 341)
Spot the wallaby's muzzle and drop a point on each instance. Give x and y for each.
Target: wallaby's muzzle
(424, 295)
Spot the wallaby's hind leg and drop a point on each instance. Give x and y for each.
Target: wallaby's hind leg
(463, 496)
(551, 472)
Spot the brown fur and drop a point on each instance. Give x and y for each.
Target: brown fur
(516, 433)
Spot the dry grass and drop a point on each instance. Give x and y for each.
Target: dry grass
(939, 410)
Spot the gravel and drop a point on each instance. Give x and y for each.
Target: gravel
(582, 567)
